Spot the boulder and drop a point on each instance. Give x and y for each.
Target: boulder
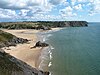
(40, 44)
(46, 73)
(2, 51)
(43, 73)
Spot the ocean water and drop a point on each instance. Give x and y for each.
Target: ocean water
(74, 50)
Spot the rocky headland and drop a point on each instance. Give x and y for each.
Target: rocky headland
(44, 25)
(40, 44)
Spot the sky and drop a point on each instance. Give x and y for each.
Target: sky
(50, 10)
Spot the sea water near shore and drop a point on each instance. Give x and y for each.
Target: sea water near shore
(72, 51)
(46, 54)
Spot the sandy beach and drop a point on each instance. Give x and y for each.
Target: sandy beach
(24, 51)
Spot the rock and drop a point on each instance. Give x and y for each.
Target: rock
(2, 51)
(43, 73)
(42, 27)
(46, 28)
(46, 73)
(76, 24)
(40, 44)
(13, 42)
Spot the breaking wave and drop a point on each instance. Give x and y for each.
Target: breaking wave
(46, 54)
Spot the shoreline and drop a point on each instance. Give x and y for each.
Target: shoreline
(23, 52)
(46, 54)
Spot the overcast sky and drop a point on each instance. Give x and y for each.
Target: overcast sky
(44, 10)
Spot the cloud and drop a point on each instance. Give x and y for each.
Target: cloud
(34, 2)
(73, 2)
(8, 14)
(68, 11)
(47, 9)
(97, 5)
(13, 4)
(56, 2)
(42, 17)
(85, 1)
(78, 7)
(23, 4)
(65, 10)
(27, 7)
(94, 7)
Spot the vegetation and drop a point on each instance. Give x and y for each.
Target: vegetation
(17, 25)
(7, 39)
(52, 24)
(41, 24)
(4, 36)
(7, 66)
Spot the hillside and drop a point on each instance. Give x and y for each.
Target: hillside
(45, 25)
(7, 39)
(9, 65)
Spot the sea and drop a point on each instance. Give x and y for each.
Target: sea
(72, 50)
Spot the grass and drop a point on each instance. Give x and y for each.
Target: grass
(4, 36)
(7, 66)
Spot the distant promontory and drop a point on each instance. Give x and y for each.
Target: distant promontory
(45, 25)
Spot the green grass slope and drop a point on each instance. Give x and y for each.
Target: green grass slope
(7, 39)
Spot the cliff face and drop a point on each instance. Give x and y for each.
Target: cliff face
(76, 23)
(9, 65)
(42, 24)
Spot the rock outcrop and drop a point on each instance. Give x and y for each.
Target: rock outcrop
(40, 44)
(7, 39)
(76, 23)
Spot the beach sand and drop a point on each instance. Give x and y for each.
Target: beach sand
(23, 51)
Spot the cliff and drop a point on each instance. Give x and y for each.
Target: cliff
(9, 65)
(45, 25)
(76, 23)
